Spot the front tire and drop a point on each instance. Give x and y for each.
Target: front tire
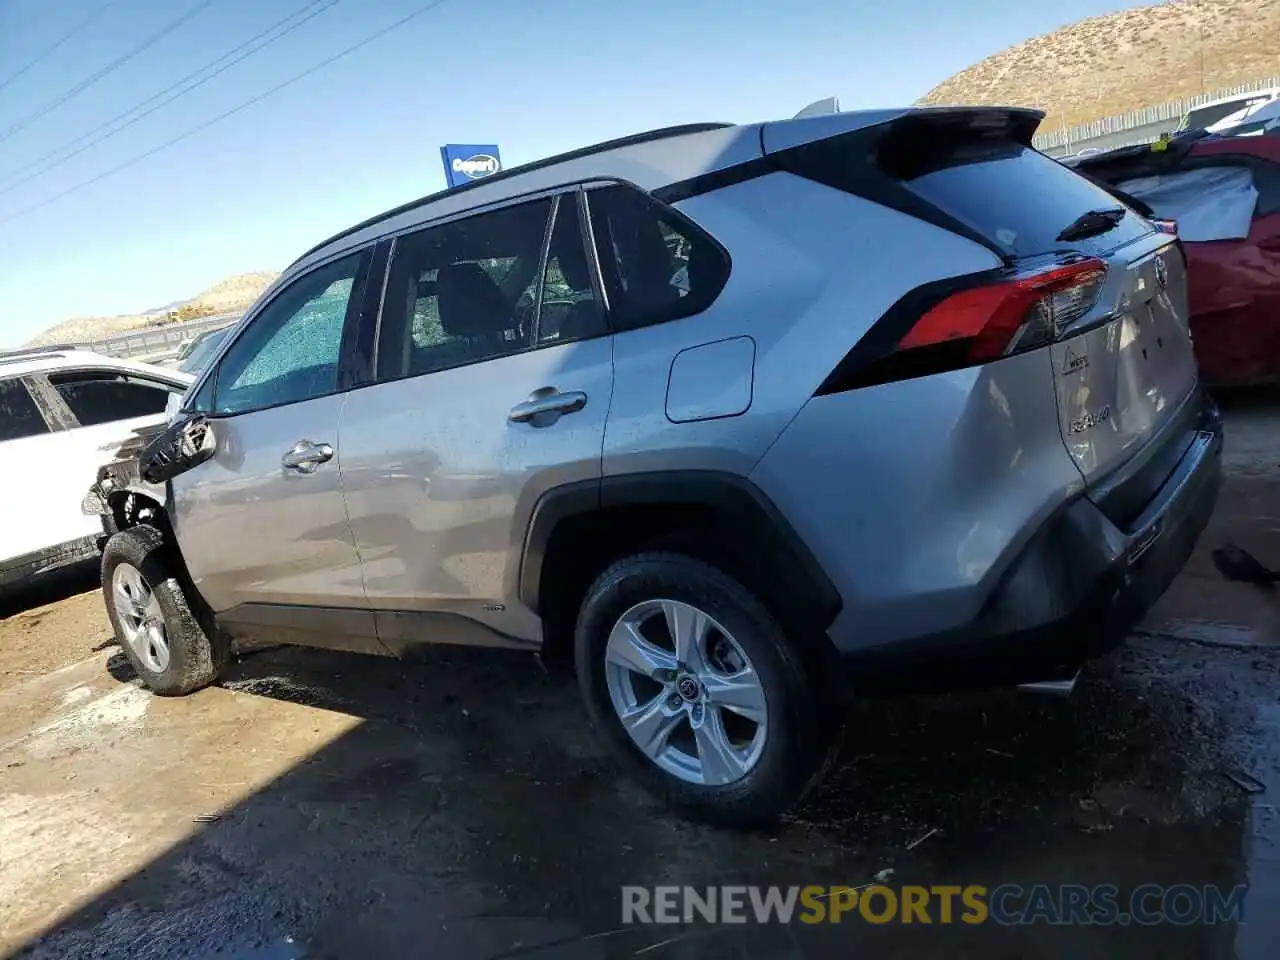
(697, 685)
(153, 621)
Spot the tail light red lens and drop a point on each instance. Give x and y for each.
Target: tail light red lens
(981, 324)
(1167, 226)
(983, 318)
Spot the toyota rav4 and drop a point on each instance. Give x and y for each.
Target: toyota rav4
(736, 419)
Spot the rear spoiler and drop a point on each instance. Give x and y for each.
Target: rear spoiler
(871, 153)
(1017, 124)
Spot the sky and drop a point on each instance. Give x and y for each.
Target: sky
(361, 134)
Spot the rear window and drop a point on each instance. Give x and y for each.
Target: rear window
(1018, 198)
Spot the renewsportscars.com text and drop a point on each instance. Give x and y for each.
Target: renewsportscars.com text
(1009, 904)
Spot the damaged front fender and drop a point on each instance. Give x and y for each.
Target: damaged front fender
(145, 463)
(121, 476)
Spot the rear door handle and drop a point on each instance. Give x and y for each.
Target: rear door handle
(306, 455)
(1270, 244)
(544, 407)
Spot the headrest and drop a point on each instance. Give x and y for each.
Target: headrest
(470, 303)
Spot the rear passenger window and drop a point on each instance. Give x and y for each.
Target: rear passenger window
(19, 415)
(463, 292)
(95, 398)
(657, 265)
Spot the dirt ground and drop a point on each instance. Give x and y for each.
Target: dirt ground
(316, 804)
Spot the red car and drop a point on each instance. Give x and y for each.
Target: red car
(1224, 194)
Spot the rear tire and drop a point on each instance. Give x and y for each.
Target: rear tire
(153, 621)
(726, 725)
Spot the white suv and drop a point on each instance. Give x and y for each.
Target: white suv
(63, 414)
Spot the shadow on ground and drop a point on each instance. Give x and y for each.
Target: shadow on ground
(50, 587)
(473, 814)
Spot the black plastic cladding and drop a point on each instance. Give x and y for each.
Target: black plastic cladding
(356, 366)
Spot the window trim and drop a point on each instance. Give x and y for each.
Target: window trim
(593, 269)
(593, 257)
(47, 416)
(544, 252)
(354, 314)
(683, 220)
(360, 339)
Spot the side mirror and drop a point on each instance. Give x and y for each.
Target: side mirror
(185, 444)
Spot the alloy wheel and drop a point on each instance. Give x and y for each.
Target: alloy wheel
(141, 617)
(686, 692)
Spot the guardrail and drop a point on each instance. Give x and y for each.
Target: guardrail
(1137, 126)
(157, 341)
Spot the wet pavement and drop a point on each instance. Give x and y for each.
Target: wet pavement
(469, 813)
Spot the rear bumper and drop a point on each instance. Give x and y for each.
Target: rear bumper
(1074, 593)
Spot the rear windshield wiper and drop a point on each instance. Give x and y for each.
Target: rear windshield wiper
(1092, 223)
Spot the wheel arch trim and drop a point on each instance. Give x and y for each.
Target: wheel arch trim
(730, 496)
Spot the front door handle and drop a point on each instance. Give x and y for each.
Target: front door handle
(544, 407)
(306, 455)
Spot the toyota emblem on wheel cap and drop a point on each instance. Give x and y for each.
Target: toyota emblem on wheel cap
(688, 688)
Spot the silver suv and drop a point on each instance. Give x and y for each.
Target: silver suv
(735, 418)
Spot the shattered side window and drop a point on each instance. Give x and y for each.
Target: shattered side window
(290, 352)
(19, 415)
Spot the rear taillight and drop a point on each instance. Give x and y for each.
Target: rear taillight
(1019, 314)
(979, 324)
(1166, 226)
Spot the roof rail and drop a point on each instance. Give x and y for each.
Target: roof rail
(620, 142)
(24, 352)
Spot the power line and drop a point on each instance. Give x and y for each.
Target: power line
(426, 8)
(58, 43)
(241, 52)
(111, 67)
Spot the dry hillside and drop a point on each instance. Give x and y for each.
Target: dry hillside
(1122, 61)
(226, 296)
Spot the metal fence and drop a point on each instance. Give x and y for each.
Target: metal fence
(1137, 126)
(156, 341)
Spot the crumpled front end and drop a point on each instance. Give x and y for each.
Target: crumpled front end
(121, 477)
